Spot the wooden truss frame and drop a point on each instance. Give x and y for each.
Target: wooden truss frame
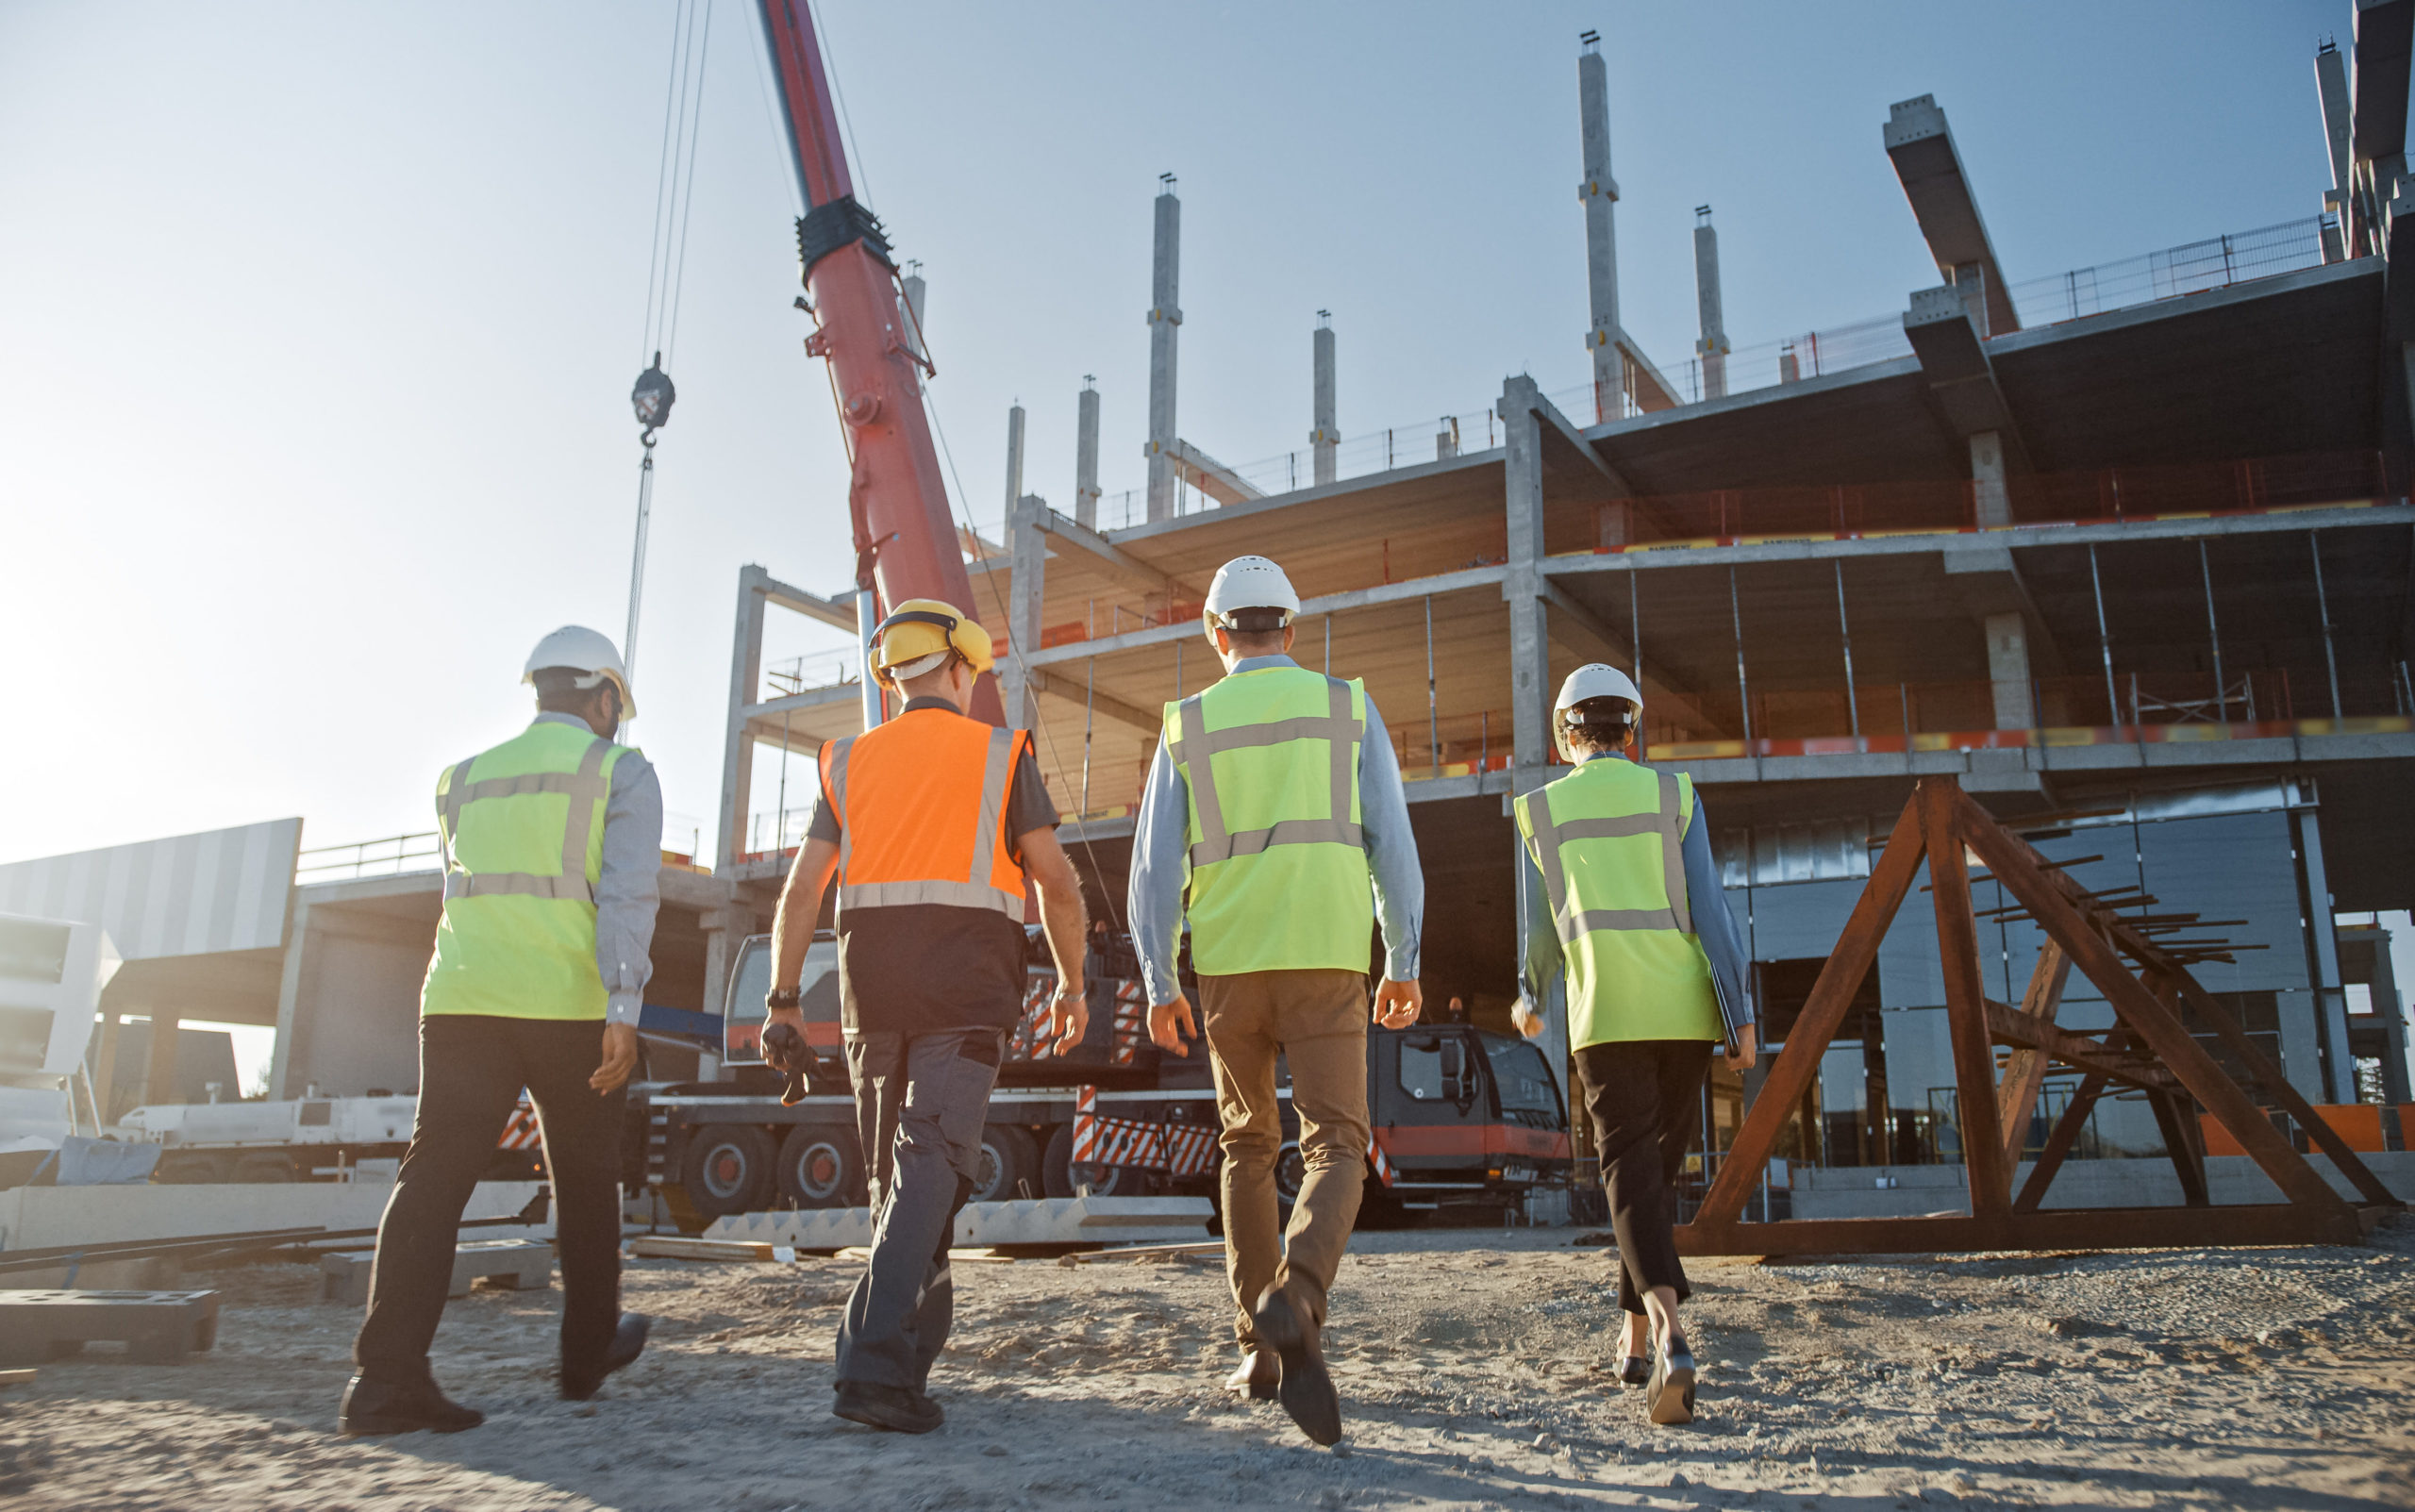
(2149, 1048)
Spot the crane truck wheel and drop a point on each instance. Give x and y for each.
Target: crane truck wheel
(728, 1169)
(820, 1169)
(1009, 1165)
(1060, 1177)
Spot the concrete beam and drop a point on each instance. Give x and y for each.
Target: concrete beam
(1561, 425)
(1113, 558)
(2385, 38)
(839, 613)
(1209, 476)
(1930, 169)
(1991, 587)
(798, 701)
(1963, 383)
(1073, 690)
(1415, 588)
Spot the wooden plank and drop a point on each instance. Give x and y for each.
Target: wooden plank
(2026, 1074)
(2055, 1228)
(16, 1378)
(2013, 865)
(2010, 1026)
(1966, 1010)
(2066, 1130)
(2258, 1065)
(675, 1247)
(1832, 995)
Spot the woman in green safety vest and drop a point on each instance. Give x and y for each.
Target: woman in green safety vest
(1621, 896)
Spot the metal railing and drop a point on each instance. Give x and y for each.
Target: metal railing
(390, 855)
(2192, 268)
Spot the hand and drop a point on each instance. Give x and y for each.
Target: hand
(784, 1049)
(1069, 1016)
(1746, 1049)
(620, 1058)
(1397, 1004)
(1529, 1022)
(1170, 1022)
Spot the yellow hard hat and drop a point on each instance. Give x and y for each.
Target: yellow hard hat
(918, 636)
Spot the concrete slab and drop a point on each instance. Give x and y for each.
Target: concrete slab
(36, 1218)
(157, 1327)
(1855, 1191)
(1048, 1220)
(522, 1265)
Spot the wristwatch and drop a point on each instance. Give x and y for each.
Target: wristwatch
(787, 997)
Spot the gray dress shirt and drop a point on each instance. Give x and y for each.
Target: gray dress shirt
(631, 889)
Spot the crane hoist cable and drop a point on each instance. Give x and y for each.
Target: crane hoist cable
(675, 201)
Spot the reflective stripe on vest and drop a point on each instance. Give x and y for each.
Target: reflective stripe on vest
(1669, 824)
(1197, 743)
(967, 883)
(584, 788)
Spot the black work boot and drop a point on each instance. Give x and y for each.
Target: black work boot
(584, 1378)
(379, 1403)
(893, 1408)
(1283, 1320)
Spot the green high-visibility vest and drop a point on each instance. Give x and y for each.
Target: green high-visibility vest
(1608, 840)
(1278, 876)
(523, 825)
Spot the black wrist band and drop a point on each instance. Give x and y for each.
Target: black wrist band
(787, 997)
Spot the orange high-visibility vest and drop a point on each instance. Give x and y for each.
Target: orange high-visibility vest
(921, 802)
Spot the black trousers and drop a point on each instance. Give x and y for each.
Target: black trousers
(471, 1071)
(1644, 1098)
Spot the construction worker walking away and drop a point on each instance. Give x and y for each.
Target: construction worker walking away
(930, 824)
(553, 845)
(1277, 825)
(1622, 895)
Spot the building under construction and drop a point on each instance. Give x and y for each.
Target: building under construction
(2126, 549)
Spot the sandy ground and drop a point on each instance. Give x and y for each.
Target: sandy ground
(1475, 1367)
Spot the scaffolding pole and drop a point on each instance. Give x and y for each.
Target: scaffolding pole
(2214, 631)
(2322, 607)
(1844, 627)
(2104, 641)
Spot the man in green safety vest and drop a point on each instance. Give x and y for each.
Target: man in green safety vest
(552, 847)
(1621, 893)
(1277, 826)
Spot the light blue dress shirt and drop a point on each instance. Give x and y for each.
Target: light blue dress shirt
(1160, 850)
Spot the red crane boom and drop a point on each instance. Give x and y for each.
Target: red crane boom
(905, 535)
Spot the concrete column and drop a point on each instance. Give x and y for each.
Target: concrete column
(2009, 670)
(104, 1068)
(1165, 319)
(2331, 87)
(737, 748)
(1971, 282)
(724, 927)
(1521, 586)
(160, 1058)
(1327, 439)
(867, 617)
(1446, 439)
(1014, 458)
(1027, 545)
(1599, 192)
(1085, 494)
(1713, 348)
(1991, 504)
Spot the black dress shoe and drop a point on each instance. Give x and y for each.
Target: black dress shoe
(892, 1408)
(1307, 1392)
(388, 1405)
(1635, 1370)
(629, 1342)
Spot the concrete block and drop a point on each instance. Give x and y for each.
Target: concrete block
(519, 1264)
(157, 1327)
(1045, 1221)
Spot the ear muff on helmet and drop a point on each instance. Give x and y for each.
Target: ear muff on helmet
(933, 632)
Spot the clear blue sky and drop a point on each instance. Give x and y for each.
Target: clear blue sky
(320, 318)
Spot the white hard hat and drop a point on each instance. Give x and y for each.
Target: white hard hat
(589, 653)
(1247, 583)
(1597, 680)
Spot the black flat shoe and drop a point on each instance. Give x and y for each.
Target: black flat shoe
(890, 1407)
(374, 1405)
(628, 1342)
(1307, 1391)
(1669, 1396)
(1635, 1370)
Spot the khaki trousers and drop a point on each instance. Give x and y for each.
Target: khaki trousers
(1317, 1021)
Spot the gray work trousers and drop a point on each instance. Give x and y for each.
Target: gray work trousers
(921, 1101)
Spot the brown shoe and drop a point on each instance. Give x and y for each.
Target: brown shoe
(1307, 1392)
(1257, 1376)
